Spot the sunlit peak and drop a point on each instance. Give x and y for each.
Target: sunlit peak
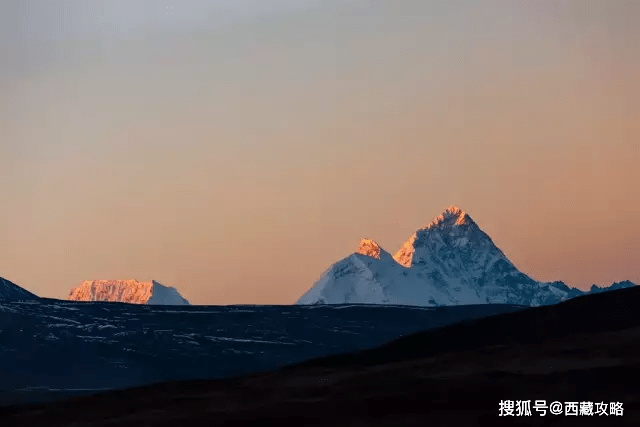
(370, 248)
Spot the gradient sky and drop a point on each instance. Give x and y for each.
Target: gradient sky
(235, 149)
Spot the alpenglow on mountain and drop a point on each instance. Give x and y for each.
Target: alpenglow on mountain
(129, 291)
(451, 261)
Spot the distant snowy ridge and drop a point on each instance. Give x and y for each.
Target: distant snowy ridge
(451, 261)
(127, 291)
(11, 292)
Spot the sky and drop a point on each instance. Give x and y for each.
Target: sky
(235, 149)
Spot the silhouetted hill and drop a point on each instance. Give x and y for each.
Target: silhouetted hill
(602, 312)
(77, 347)
(586, 349)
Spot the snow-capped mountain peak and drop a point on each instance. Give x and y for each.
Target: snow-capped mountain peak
(128, 291)
(451, 261)
(451, 217)
(453, 229)
(405, 255)
(370, 248)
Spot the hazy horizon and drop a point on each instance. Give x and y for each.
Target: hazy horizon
(234, 150)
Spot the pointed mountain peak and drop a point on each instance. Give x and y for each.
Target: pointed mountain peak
(370, 248)
(454, 210)
(452, 216)
(404, 256)
(11, 292)
(453, 230)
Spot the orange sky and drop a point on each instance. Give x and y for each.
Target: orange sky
(234, 150)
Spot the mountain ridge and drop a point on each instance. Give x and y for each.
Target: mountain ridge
(450, 261)
(127, 291)
(451, 375)
(9, 291)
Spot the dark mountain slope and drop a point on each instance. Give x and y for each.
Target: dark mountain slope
(9, 291)
(586, 349)
(589, 314)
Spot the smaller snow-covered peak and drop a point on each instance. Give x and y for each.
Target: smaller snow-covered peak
(405, 255)
(128, 291)
(165, 295)
(615, 285)
(452, 216)
(370, 248)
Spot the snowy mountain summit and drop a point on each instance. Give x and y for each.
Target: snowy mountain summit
(129, 291)
(451, 261)
(370, 248)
